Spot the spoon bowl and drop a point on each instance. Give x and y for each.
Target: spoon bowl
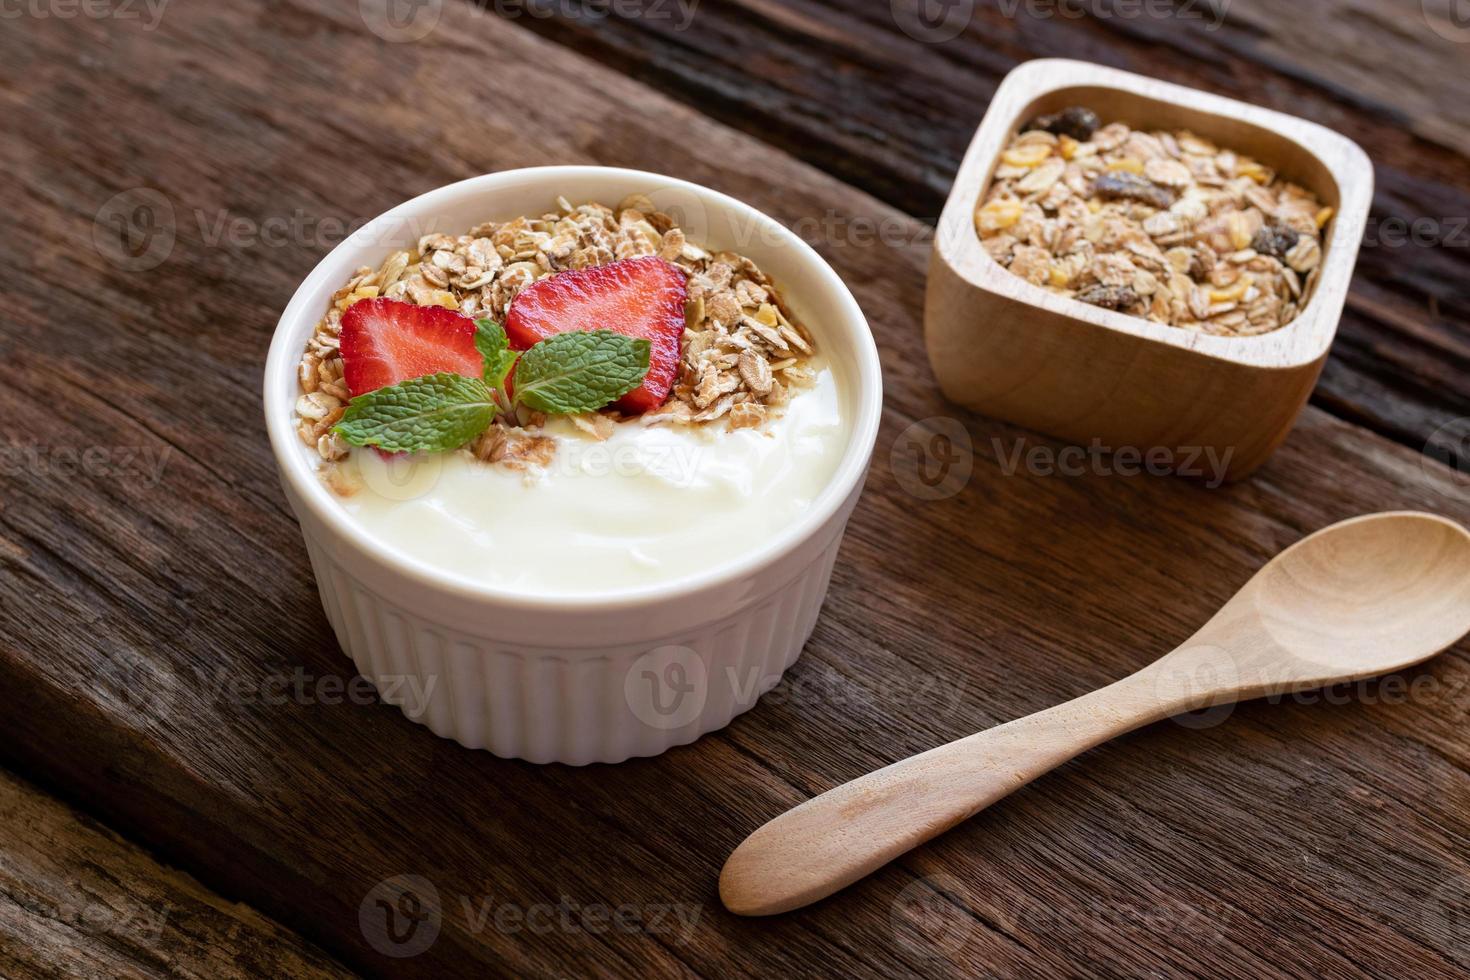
(1375, 594)
(1358, 599)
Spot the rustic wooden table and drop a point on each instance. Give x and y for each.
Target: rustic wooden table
(191, 788)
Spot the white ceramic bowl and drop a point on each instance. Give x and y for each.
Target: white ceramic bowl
(586, 679)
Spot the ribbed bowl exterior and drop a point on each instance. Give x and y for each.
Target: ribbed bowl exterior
(574, 706)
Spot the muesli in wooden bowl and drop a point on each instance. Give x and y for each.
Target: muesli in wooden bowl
(1149, 266)
(1159, 224)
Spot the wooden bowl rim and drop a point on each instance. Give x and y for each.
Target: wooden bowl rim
(1302, 341)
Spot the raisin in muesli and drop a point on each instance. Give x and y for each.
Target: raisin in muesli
(1078, 122)
(1110, 297)
(1276, 241)
(1124, 186)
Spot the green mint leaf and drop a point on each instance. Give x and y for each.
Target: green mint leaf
(494, 347)
(580, 371)
(432, 414)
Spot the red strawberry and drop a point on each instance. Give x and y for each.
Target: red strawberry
(385, 341)
(641, 297)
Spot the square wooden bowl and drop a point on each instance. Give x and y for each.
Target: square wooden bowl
(1019, 352)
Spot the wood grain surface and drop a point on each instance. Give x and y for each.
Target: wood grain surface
(75, 900)
(168, 668)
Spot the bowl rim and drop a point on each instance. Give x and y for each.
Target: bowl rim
(1304, 340)
(851, 327)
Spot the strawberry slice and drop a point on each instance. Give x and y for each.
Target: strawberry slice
(385, 341)
(641, 297)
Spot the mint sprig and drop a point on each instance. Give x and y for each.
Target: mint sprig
(432, 414)
(578, 371)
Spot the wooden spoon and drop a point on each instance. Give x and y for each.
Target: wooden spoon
(1362, 598)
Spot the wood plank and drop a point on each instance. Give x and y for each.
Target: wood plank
(77, 900)
(149, 628)
(857, 90)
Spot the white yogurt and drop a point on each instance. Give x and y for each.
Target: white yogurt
(651, 504)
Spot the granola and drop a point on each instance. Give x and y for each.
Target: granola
(741, 352)
(1161, 225)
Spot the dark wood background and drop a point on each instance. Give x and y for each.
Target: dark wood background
(188, 793)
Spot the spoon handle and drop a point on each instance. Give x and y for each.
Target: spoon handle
(832, 840)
